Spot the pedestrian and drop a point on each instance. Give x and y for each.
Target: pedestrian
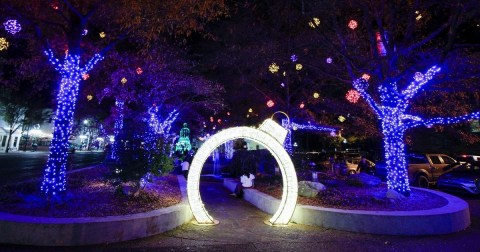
(185, 166)
(364, 166)
(34, 146)
(246, 181)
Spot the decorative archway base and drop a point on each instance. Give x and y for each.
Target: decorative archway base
(271, 136)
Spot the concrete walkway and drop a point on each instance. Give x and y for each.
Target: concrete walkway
(241, 228)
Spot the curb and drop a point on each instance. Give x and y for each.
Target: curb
(453, 217)
(43, 231)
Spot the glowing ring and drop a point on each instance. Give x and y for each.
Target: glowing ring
(271, 142)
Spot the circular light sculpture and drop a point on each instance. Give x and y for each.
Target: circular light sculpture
(269, 134)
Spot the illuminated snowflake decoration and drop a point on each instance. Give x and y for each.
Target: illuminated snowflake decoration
(270, 103)
(352, 96)
(294, 58)
(352, 24)
(298, 67)
(3, 44)
(329, 60)
(273, 68)
(366, 77)
(85, 32)
(102, 34)
(123, 80)
(342, 118)
(12, 26)
(139, 70)
(418, 76)
(89, 97)
(316, 95)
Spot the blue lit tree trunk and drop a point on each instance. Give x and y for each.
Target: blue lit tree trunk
(392, 111)
(54, 179)
(118, 126)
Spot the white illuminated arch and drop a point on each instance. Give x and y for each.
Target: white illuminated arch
(269, 134)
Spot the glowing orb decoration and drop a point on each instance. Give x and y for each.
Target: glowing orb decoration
(352, 96)
(316, 21)
(270, 103)
(294, 58)
(139, 70)
(329, 60)
(366, 76)
(282, 84)
(352, 24)
(311, 24)
(271, 136)
(219, 120)
(54, 6)
(342, 118)
(12, 26)
(85, 76)
(102, 34)
(89, 97)
(85, 32)
(211, 119)
(418, 76)
(418, 17)
(250, 110)
(316, 95)
(123, 80)
(284, 73)
(302, 105)
(3, 44)
(228, 113)
(333, 134)
(273, 68)
(298, 67)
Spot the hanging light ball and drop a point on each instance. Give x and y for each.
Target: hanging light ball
(3, 44)
(273, 68)
(250, 110)
(12, 26)
(139, 70)
(316, 95)
(333, 134)
(294, 58)
(302, 105)
(123, 80)
(89, 97)
(298, 67)
(366, 77)
(342, 118)
(352, 96)
(85, 76)
(102, 34)
(85, 32)
(270, 103)
(211, 119)
(352, 24)
(329, 60)
(418, 76)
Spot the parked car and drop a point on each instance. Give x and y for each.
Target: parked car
(465, 179)
(423, 169)
(350, 165)
(471, 160)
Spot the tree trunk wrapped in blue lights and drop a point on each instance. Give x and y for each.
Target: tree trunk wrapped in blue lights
(396, 121)
(54, 179)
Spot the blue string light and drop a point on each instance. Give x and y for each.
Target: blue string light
(395, 122)
(117, 128)
(296, 126)
(54, 179)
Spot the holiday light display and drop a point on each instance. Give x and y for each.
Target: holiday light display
(315, 23)
(298, 67)
(329, 60)
(302, 105)
(117, 127)
(139, 70)
(85, 32)
(342, 118)
(164, 127)
(102, 34)
(250, 110)
(54, 180)
(183, 143)
(289, 126)
(12, 26)
(382, 51)
(271, 136)
(123, 80)
(273, 68)
(89, 97)
(3, 44)
(270, 103)
(85, 76)
(392, 111)
(352, 24)
(352, 96)
(366, 76)
(293, 58)
(316, 95)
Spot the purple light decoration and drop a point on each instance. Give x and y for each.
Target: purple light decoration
(164, 127)
(117, 128)
(294, 58)
(392, 111)
(12, 26)
(296, 126)
(54, 180)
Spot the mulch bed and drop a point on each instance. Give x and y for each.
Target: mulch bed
(89, 194)
(341, 195)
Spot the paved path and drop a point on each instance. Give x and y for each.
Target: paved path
(241, 228)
